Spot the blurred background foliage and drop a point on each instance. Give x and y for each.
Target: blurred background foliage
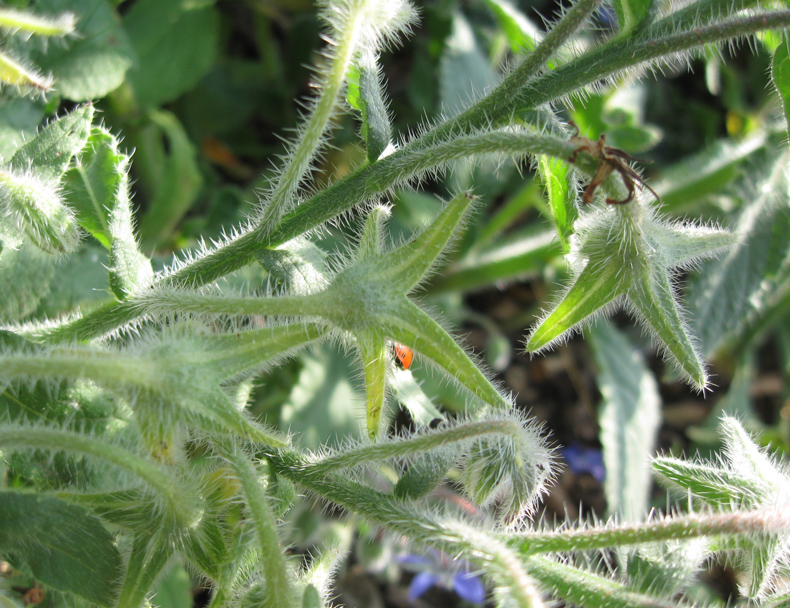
(206, 92)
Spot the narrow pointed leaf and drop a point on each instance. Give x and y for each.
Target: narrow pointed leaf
(373, 352)
(522, 34)
(733, 293)
(557, 177)
(407, 265)
(515, 256)
(51, 150)
(416, 329)
(629, 419)
(64, 546)
(298, 266)
(592, 290)
(716, 486)
(654, 298)
(631, 13)
(465, 73)
(98, 187)
(694, 177)
(144, 566)
(376, 127)
(179, 183)
(780, 72)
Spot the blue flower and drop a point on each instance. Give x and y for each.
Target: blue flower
(438, 569)
(582, 459)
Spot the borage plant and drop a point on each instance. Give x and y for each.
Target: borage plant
(128, 438)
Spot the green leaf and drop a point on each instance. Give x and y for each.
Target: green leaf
(696, 176)
(64, 546)
(522, 34)
(176, 43)
(298, 266)
(79, 282)
(715, 485)
(321, 406)
(179, 181)
(557, 177)
(25, 276)
(665, 569)
(631, 13)
(731, 295)
(19, 118)
(95, 60)
(424, 474)
(465, 73)
(376, 127)
(655, 300)
(50, 152)
(780, 72)
(174, 589)
(98, 187)
(629, 419)
(593, 289)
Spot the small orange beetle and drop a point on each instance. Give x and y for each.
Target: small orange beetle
(403, 355)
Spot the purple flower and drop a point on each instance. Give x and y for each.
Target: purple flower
(438, 569)
(582, 459)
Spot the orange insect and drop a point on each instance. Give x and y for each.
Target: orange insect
(403, 355)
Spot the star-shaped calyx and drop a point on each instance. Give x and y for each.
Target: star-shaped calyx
(369, 299)
(629, 254)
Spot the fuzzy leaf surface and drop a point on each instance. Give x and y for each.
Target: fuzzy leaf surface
(780, 72)
(733, 293)
(51, 150)
(63, 545)
(629, 419)
(95, 60)
(176, 43)
(25, 276)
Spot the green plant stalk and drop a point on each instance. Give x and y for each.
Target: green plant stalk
(312, 134)
(395, 448)
(456, 538)
(677, 528)
(35, 24)
(369, 180)
(500, 101)
(614, 57)
(590, 589)
(279, 587)
(180, 503)
(144, 566)
(338, 198)
(109, 369)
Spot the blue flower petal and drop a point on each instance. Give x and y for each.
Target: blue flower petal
(582, 459)
(421, 583)
(469, 587)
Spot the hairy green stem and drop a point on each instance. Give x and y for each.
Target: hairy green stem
(395, 448)
(604, 61)
(589, 589)
(675, 528)
(180, 503)
(323, 110)
(451, 536)
(500, 101)
(279, 588)
(109, 369)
